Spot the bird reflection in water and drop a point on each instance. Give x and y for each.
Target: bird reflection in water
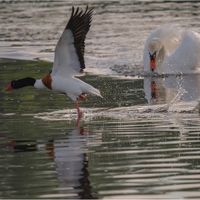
(72, 162)
(70, 157)
(22, 145)
(153, 90)
(162, 90)
(157, 92)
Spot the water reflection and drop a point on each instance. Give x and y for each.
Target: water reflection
(164, 90)
(72, 162)
(123, 154)
(70, 157)
(22, 145)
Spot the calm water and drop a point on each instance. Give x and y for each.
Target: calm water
(140, 141)
(30, 30)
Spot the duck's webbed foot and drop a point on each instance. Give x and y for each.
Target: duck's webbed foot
(82, 97)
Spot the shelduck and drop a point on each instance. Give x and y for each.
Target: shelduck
(68, 62)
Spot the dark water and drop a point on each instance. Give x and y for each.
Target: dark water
(124, 147)
(140, 141)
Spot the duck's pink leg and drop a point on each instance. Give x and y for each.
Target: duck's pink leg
(77, 123)
(78, 109)
(79, 114)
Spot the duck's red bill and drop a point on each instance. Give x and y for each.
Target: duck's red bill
(9, 88)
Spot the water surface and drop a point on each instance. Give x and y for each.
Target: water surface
(128, 144)
(30, 30)
(140, 141)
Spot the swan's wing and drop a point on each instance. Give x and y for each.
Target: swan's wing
(171, 35)
(69, 52)
(186, 57)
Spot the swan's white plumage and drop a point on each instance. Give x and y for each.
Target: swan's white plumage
(182, 50)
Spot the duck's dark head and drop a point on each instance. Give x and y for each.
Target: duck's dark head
(16, 84)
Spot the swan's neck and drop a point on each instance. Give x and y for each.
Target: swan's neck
(156, 46)
(160, 58)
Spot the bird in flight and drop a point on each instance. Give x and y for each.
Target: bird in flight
(68, 62)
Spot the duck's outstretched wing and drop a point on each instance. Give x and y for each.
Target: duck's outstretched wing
(69, 52)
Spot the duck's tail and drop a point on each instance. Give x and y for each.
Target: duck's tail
(94, 91)
(88, 89)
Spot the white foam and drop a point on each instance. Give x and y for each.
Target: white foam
(121, 112)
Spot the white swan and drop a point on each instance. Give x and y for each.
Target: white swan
(171, 49)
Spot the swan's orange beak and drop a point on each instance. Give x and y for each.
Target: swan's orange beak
(9, 88)
(152, 61)
(153, 64)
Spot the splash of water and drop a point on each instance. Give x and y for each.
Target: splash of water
(175, 100)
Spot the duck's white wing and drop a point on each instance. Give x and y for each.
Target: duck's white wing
(69, 52)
